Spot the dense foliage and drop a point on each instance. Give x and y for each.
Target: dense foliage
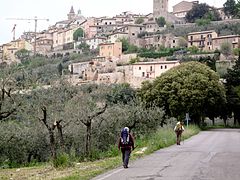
(161, 21)
(189, 88)
(79, 121)
(202, 11)
(79, 33)
(233, 91)
(232, 8)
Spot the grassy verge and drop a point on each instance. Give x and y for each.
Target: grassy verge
(87, 170)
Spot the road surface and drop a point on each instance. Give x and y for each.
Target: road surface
(210, 155)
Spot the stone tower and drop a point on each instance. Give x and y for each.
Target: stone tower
(71, 14)
(160, 8)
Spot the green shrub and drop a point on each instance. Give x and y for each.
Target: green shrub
(62, 161)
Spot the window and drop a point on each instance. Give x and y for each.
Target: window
(174, 41)
(151, 68)
(161, 67)
(165, 66)
(139, 68)
(143, 74)
(191, 38)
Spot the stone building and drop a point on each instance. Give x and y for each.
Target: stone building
(202, 40)
(110, 50)
(234, 40)
(160, 9)
(181, 9)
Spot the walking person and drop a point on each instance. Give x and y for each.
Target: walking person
(126, 144)
(179, 130)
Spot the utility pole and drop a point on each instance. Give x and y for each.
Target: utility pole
(35, 19)
(13, 31)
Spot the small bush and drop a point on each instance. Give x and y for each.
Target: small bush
(62, 161)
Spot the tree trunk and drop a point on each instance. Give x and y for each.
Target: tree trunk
(29, 157)
(88, 139)
(52, 144)
(60, 133)
(225, 121)
(235, 120)
(213, 122)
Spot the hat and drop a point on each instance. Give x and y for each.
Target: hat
(126, 129)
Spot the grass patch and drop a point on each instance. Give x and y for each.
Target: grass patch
(164, 137)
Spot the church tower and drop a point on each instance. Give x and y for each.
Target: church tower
(71, 14)
(160, 8)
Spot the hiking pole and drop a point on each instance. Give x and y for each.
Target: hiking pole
(183, 140)
(135, 147)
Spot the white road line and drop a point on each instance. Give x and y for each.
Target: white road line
(110, 174)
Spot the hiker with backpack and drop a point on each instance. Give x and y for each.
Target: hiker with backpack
(179, 130)
(126, 144)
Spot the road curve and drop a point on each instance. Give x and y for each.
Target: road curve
(210, 155)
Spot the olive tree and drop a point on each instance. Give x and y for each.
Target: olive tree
(8, 93)
(226, 49)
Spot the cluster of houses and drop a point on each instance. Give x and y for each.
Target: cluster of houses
(103, 33)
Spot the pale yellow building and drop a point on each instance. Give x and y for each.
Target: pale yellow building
(202, 39)
(152, 69)
(62, 37)
(9, 49)
(110, 50)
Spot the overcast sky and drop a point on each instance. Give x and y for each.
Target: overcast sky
(56, 10)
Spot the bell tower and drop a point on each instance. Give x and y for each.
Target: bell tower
(160, 8)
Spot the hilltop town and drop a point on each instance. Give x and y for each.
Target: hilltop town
(131, 47)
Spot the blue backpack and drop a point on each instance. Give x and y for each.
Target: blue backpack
(125, 136)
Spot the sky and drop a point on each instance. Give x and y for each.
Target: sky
(57, 10)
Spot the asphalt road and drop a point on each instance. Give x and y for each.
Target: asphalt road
(210, 155)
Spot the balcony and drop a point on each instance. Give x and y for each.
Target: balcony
(150, 71)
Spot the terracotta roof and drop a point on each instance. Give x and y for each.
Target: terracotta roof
(156, 62)
(201, 32)
(228, 36)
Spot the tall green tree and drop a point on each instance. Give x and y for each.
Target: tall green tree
(127, 47)
(202, 11)
(229, 7)
(139, 20)
(79, 33)
(161, 21)
(190, 87)
(233, 90)
(23, 54)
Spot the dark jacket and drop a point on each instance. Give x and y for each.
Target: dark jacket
(128, 146)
